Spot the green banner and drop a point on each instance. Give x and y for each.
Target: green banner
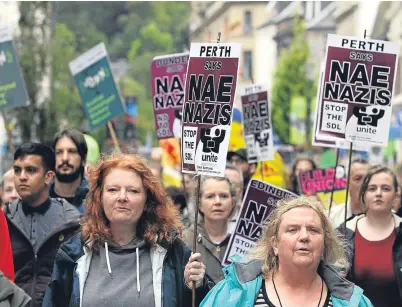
(13, 92)
(98, 90)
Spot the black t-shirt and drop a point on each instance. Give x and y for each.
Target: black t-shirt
(69, 199)
(263, 300)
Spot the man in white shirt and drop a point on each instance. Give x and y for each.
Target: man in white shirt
(358, 171)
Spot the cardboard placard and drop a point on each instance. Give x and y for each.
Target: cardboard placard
(13, 92)
(99, 93)
(168, 74)
(257, 125)
(260, 200)
(358, 83)
(207, 112)
(325, 141)
(322, 180)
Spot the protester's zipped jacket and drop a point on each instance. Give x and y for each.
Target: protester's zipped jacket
(351, 225)
(243, 282)
(33, 270)
(168, 262)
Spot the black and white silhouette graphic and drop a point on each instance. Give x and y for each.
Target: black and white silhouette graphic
(262, 138)
(366, 118)
(211, 143)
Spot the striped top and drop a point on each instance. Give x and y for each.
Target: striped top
(263, 300)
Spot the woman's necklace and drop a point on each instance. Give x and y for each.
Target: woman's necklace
(279, 299)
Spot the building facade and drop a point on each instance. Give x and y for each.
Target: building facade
(237, 21)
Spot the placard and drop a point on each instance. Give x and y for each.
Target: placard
(207, 112)
(258, 203)
(356, 98)
(94, 79)
(327, 141)
(257, 125)
(168, 74)
(13, 92)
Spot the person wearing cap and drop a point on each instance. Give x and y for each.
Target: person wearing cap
(71, 151)
(239, 159)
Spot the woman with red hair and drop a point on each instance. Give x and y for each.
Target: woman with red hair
(129, 252)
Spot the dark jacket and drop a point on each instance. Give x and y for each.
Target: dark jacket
(211, 253)
(168, 263)
(396, 248)
(11, 295)
(79, 197)
(33, 271)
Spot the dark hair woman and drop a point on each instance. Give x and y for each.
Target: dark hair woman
(302, 163)
(375, 240)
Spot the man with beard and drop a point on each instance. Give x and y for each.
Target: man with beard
(71, 151)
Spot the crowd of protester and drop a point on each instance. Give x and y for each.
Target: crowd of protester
(114, 235)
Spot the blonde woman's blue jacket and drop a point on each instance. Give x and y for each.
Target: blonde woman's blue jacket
(243, 281)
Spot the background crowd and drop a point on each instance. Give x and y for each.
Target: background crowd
(79, 235)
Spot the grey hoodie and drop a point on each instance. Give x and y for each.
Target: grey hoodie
(120, 276)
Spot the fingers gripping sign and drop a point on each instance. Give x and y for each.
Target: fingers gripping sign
(194, 271)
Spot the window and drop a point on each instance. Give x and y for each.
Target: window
(248, 65)
(248, 24)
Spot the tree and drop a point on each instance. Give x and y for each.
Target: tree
(65, 107)
(91, 23)
(290, 80)
(165, 32)
(137, 30)
(36, 22)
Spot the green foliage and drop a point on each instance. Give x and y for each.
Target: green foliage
(32, 46)
(162, 33)
(91, 23)
(134, 30)
(290, 80)
(64, 107)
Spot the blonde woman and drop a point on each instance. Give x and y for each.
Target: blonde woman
(290, 265)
